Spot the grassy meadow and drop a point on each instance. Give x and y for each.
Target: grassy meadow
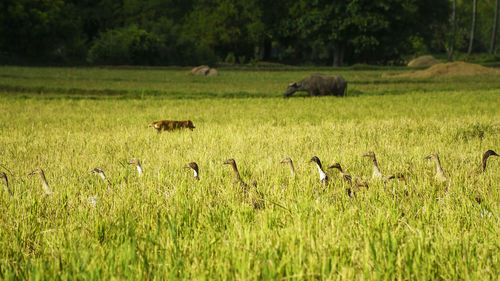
(164, 225)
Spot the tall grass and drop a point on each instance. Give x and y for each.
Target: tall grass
(164, 225)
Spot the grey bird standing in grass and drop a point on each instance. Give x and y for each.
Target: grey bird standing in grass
(236, 174)
(101, 173)
(194, 167)
(255, 197)
(45, 184)
(376, 174)
(439, 170)
(323, 177)
(137, 164)
(290, 162)
(6, 181)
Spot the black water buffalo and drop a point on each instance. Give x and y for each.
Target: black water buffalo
(319, 85)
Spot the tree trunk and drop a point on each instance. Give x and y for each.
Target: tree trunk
(342, 51)
(338, 54)
(494, 31)
(473, 28)
(268, 46)
(453, 31)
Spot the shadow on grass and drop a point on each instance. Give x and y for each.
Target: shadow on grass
(96, 94)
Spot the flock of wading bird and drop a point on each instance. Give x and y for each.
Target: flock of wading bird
(256, 198)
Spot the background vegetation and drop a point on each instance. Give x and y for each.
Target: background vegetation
(164, 225)
(190, 32)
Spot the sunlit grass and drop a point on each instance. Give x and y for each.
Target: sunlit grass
(164, 225)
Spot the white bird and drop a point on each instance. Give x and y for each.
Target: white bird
(137, 164)
(101, 173)
(323, 177)
(194, 166)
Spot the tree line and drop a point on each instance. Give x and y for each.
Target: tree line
(192, 32)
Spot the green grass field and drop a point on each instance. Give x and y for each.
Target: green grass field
(164, 225)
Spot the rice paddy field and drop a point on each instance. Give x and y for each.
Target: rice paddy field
(164, 225)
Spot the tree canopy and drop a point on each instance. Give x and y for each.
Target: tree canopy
(189, 32)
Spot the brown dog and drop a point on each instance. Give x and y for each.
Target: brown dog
(170, 125)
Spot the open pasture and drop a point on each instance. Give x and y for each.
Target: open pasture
(165, 225)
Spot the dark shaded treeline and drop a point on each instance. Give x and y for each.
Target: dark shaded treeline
(191, 32)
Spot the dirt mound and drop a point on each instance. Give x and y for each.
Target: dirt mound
(212, 72)
(204, 70)
(423, 61)
(451, 69)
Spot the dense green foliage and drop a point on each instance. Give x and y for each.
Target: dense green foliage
(164, 225)
(190, 32)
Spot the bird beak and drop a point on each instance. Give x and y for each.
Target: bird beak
(283, 161)
(365, 155)
(130, 163)
(428, 157)
(225, 162)
(32, 173)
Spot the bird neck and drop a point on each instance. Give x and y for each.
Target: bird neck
(236, 174)
(195, 173)
(292, 169)
(484, 160)
(375, 163)
(44, 180)
(322, 174)
(139, 169)
(439, 169)
(376, 169)
(340, 169)
(483, 163)
(7, 185)
(45, 184)
(104, 178)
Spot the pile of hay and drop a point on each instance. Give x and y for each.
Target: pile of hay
(204, 70)
(423, 61)
(451, 69)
